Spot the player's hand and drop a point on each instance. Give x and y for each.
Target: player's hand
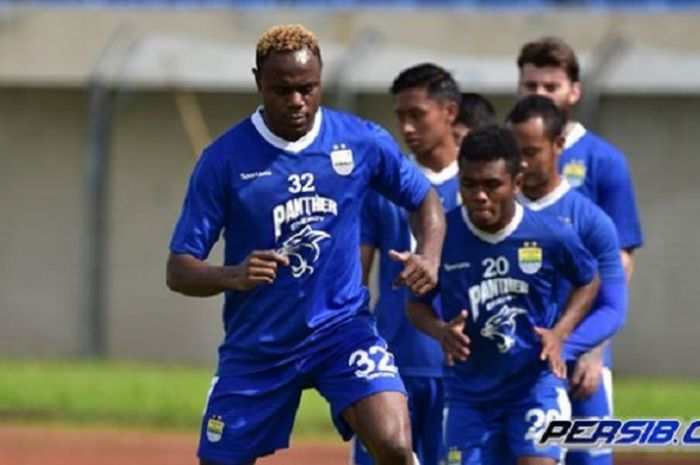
(454, 341)
(552, 344)
(259, 267)
(419, 274)
(588, 375)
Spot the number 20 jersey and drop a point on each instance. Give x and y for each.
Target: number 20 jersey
(303, 200)
(508, 282)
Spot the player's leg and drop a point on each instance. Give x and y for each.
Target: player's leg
(425, 406)
(528, 416)
(358, 377)
(381, 423)
(249, 416)
(359, 455)
(599, 405)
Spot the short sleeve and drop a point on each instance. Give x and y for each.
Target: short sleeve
(393, 175)
(204, 209)
(615, 195)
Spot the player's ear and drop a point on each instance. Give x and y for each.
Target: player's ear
(575, 94)
(517, 182)
(256, 73)
(559, 142)
(452, 109)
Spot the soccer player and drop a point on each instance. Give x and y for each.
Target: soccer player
(598, 170)
(283, 187)
(537, 125)
(503, 329)
(475, 111)
(426, 101)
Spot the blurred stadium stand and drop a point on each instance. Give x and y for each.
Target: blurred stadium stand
(509, 4)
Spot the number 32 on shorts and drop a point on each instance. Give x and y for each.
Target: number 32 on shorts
(373, 363)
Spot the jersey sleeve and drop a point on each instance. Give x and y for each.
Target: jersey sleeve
(204, 210)
(393, 175)
(607, 316)
(370, 225)
(600, 238)
(615, 195)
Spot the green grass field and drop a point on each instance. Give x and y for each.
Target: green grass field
(171, 397)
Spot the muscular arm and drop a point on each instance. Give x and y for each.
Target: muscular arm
(450, 335)
(429, 220)
(190, 276)
(578, 305)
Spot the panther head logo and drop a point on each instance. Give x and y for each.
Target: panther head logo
(304, 240)
(501, 327)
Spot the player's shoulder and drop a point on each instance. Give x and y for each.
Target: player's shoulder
(241, 134)
(353, 126)
(601, 148)
(547, 228)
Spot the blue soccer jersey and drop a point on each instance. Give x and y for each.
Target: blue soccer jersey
(600, 172)
(597, 232)
(302, 199)
(385, 227)
(509, 283)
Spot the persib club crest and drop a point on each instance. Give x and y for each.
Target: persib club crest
(575, 172)
(530, 258)
(215, 428)
(343, 162)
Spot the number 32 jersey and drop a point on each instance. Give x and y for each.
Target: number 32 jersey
(303, 200)
(508, 282)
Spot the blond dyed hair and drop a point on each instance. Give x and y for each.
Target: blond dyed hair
(285, 38)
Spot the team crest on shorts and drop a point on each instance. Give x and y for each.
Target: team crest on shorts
(530, 258)
(341, 157)
(575, 172)
(454, 456)
(215, 428)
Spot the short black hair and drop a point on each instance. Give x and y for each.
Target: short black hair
(437, 81)
(475, 111)
(537, 106)
(491, 143)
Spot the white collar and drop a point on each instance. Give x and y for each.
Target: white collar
(439, 177)
(290, 146)
(547, 200)
(498, 236)
(577, 132)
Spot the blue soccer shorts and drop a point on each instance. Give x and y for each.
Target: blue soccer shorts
(599, 405)
(497, 433)
(249, 416)
(425, 406)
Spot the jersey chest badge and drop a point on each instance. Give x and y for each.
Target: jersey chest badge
(342, 160)
(575, 172)
(530, 258)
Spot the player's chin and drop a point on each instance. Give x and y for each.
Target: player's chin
(482, 218)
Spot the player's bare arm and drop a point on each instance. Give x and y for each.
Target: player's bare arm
(450, 335)
(576, 309)
(588, 373)
(627, 263)
(420, 270)
(193, 277)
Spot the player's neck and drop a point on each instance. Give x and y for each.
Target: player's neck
(506, 218)
(569, 126)
(439, 158)
(537, 192)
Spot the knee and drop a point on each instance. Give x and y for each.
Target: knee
(394, 450)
